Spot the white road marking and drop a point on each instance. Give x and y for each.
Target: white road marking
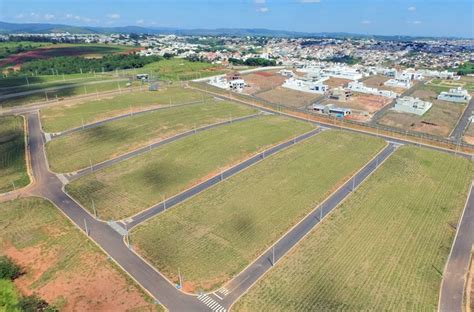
(211, 303)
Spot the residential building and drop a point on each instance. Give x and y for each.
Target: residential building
(458, 95)
(412, 105)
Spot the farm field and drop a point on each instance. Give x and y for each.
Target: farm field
(49, 51)
(62, 265)
(383, 249)
(13, 173)
(180, 69)
(61, 117)
(289, 97)
(8, 48)
(77, 150)
(138, 183)
(67, 92)
(214, 235)
(439, 120)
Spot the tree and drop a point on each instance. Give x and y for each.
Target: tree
(8, 269)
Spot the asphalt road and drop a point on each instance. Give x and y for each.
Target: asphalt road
(244, 280)
(463, 122)
(75, 175)
(454, 275)
(49, 186)
(170, 202)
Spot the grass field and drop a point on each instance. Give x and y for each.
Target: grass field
(61, 117)
(71, 90)
(8, 296)
(23, 81)
(131, 186)
(180, 69)
(61, 264)
(214, 235)
(13, 171)
(78, 149)
(383, 249)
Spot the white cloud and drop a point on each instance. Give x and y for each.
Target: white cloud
(366, 22)
(412, 8)
(259, 1)
(48, 17)
(262, 10)
(309, 1)
(20, 16)
(140, 21)
(113, 16)
(416, 22)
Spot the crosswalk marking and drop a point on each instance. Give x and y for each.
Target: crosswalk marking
(224, 291)
(211, 303)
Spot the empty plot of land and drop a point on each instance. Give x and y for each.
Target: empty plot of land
(469, 135)
(440, 119)
(336, 82)
(289, 97)
(383, 249)
(378, 81)
(214, 235)
(261, 81)
(77, 150)
(62, 265)
(13, 172)
(65, 90)
(131, 186)
(59, 118)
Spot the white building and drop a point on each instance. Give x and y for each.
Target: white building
(404, 83)
(305, 86)
(356, 86)
(286, 73)
(458, 95)
(411, 105)
(220, 82)
(331, 109)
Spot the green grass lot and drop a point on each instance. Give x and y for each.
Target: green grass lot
(66, 92)
(136, 184)
(214, 235)
(383, 249)
(20, 84)
(181, 69)
(8, 296)
(74, 151)
(12, 154)
(61, 117)
(35, 227)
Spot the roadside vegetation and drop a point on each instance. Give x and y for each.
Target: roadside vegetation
(61, 117)
(383, 249)
(59, 264)
(79, 149)
(138, 183)
(13, 172)
(215, 234)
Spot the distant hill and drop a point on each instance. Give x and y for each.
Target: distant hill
(11, 28)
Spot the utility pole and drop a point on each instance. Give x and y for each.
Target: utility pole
(273, 256)
(353, 183)
(93, 208)
(90, 164)
(14, 187)
(82, 119)
(46, 94)
(85, 227)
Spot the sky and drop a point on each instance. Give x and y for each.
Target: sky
(378, 17)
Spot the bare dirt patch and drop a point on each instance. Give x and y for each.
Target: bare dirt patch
(336, 82)
(378, 81)
(289, 97)
(261, 81)
(469, 135)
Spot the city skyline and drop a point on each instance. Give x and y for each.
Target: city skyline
(412, 18)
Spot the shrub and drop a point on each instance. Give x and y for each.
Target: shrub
(8, 269)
